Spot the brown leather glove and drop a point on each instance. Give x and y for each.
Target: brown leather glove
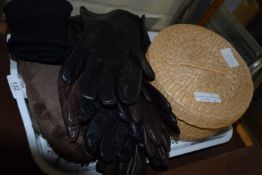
(156, 119)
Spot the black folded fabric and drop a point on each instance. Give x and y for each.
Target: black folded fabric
(40, 52)
(38, 22)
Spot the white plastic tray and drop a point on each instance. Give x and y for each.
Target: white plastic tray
(52, 164)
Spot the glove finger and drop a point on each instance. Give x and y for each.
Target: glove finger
(171, 122)
(165, 139)
(124, 112)
(151, 120)
(71, 122)
(109, 146)
(90, 78)
(76, 27)
(129, 82)
(107, 82)
(145, 40)
(111, 143)
(125, 142)
(88, 109)
(69, 101)
(127, 150)
(86, 15)
(136, 132)
(149, 145)
(158, 164)
(139, 50)
(74, 65)
(137, 164)
(133, 130)
(72, 106)
(139, 56)
(96, 130)
(154, 96)
(162, 153)
(73, 132)
(136, 110)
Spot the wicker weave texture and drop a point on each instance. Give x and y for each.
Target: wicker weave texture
(188, 59)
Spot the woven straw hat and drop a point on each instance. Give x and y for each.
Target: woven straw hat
(204, 78)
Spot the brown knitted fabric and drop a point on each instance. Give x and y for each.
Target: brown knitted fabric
(45, 111)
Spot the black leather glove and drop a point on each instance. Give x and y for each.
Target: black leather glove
(110, 54)
(111, 135)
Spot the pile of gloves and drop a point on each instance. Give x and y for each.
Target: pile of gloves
(104, 84)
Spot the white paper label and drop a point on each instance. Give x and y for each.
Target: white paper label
(207, 97)
(8, 37)
(15, 86)
(229, 57)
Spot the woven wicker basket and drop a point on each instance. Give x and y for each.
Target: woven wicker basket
(204, 78)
